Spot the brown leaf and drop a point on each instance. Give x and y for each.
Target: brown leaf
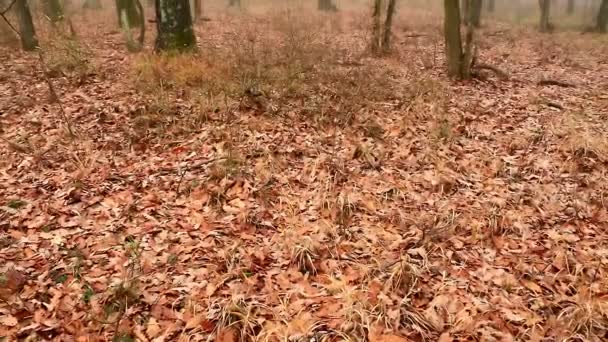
(226, 335)
(8, 320)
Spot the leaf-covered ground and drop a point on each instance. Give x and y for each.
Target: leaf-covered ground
(224, 196)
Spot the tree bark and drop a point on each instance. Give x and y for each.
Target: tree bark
(92, 4)
(53, 10)
(453, 40)
(197, 12)
(474, 12)
(174, 25)
(464, 11)
(388, 23)
(491, 5)
(570, 7)
(602, 17)
(27, 33)
(326, 5)
(376, 27)
(545, 10)
(129, 13)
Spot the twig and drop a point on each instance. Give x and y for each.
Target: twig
(556, 83)
(8, 8)
(3, 15)
(53, 94)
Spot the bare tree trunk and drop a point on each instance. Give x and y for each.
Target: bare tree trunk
(92, 4)
(453, 40)
(174, 25)
(474, 13)
(198, 10)
(53, 10)
(570, 7)
(235, 3)
(128, 8)
(491, 5)
(602, 17)
(545, 10)
(464, 11)
(326, 5)
(27, 33)
(376, 27)
(388, 23)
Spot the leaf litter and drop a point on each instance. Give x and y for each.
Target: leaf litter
(430, 210)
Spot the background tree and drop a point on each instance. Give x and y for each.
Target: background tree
(92, 4)
(128, 14)
(570, 7)
(491, 5)
(174, 25)
(459, 57)
(53, 10)
(602, 17)
(197, 10)
(326, 5)
(474, 13)
(545, 10)
(234, 3)
(388, 23)
(27, 33)
(381, 34)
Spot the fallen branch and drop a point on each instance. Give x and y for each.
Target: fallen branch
(3, 15)
(500, 73)
(549, 82)
(9, 7)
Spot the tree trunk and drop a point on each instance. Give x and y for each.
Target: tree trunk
(602, 17)
(53, 10)
(474, 12)
(570, 7)
(545, 9)
(29, 42)
(464, 11)
(376, 27)
(92, 4)
(174, 25)
(326, 5)
(453, 40)
(491, 5)
(235, 3)
(388, 23)
(197, 10)
(129, 13)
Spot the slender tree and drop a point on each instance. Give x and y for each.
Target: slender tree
(92, 4)
(388, 23)
(129, 14)
(474, 15)
(326, 5)
(459, 57)
(570, 7)
(491, 5)
(174, 25)
(545, 10)
(376, 45)
(602, 17)
(197, 10)
(29, 42)
(53, 10)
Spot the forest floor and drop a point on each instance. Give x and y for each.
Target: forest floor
(283, 185)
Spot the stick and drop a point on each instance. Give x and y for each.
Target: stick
(501, 74)
(556, 83)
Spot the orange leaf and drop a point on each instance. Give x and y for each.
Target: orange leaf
(226, 335)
